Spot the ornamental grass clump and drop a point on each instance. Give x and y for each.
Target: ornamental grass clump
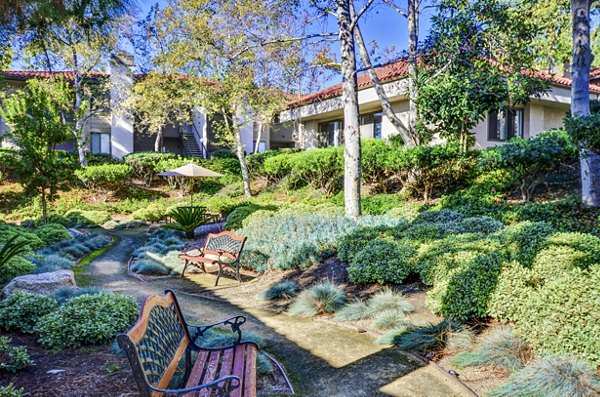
(285, 289)
(324, 297)
(387, 309)
(427, 337)
(551, 376)
(499, 347)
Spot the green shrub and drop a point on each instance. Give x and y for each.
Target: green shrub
(583, 249)
(238, 216)
(11, 249)
(352, 243)
(324, 297)
(528, 161)
(105, 176)
(143, 163)
(499, 347)
(22, 311)
(524, 239)
(427, 337)
(52, 233)
(320, 168)
(381, 261)
(466, 292)
(9, 231)
(13, 359)
(286, 289)
(11, 391)
(8, 160)
(88, 218)
(278, 167)
(256, 161)
(16, 266)
(153, 212)
(551, 376)
(86, 320)
(437, 165)
(377, 163)
(481, 224)
(101, 158)
(380, 204)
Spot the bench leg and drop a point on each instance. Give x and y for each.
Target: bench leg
(237, 272)
(219, 274)
(184, 267)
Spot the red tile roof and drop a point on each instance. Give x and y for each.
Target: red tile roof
(392, 71)
(595, 73)
(399, 69)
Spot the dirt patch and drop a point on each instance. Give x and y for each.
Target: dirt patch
(91, 371)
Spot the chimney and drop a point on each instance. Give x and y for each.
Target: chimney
(121, 83)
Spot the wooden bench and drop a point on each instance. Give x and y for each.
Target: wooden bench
(161, 341)
(222, 249)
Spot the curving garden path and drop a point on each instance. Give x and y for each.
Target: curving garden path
(321, 359)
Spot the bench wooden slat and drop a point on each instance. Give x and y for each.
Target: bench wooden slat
(250, 372)
(197, 372)
(211, 370)
(238, 368)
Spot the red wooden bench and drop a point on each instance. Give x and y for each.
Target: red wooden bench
(162, 340)
(222, 249)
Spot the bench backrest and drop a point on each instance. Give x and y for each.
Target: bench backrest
(226, 244)
(157, 342)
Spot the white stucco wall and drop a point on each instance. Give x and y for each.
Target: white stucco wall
(121, 82)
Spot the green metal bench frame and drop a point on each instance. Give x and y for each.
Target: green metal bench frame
(161, 338)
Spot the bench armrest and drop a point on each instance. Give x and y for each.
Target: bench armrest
(228, 383)
(235, 323)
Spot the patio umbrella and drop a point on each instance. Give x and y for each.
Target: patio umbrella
(191, 170)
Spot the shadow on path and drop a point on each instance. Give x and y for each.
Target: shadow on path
(321, 359)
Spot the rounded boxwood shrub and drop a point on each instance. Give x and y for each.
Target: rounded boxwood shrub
(352, 243)
(87, 320)
(467, 291)
(381, 261)
(52, 233)
(22, 310)
(481, 224)
(105, 176)
(15, 267)
(237, 216)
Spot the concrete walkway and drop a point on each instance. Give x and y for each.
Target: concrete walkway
(321, 359)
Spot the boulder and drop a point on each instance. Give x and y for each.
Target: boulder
(43, 283)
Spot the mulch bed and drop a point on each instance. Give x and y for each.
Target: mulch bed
(92, 371)
(86, 372)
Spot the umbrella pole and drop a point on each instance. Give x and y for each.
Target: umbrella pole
(192, 193)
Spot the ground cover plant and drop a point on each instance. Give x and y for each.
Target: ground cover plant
(87, 320)
(22, 311)
(12, 358)
(160, 254)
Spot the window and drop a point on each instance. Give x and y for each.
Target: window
(329, 130)
(370, 125)
(100, 142)
(505, 125)
(377, 117)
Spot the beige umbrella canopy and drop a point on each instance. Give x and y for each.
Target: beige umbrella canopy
(191, 170)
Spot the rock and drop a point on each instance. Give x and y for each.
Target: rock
(43, 283)
(55, 371)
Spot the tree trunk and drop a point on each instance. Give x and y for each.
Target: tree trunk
(352, 152)
(386, 106)
(258, 138)
(80, 133)
(159, 140)
(44, 207)
(580, 97)
(413, 42)
(239, 151)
